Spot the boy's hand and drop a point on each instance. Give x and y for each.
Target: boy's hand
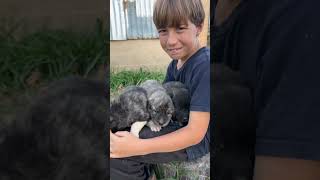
(124, 144)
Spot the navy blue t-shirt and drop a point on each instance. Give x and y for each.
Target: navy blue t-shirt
(275, 46)
(195, 74)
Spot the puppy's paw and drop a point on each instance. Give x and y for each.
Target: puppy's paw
(153, 126)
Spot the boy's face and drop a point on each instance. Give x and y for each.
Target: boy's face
(180, 42)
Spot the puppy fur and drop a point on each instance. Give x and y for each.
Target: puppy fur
(160, 105)
(128, 108)
(234, 126)
(180, 97)
(60, 136)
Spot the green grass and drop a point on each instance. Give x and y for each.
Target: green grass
(49, 54)
(121, 79)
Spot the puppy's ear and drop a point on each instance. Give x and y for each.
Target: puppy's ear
(149, 107)
(170, 92)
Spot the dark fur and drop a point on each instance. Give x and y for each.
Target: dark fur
(61, 135)
(180, 97)
(129, 107)
(233, 128)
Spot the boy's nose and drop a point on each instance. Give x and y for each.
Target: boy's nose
(172, 38)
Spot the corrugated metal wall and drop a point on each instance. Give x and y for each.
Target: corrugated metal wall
(140, 24)
(117, 20)
(137, 19)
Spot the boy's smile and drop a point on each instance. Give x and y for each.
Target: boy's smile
(174, 51)
(180, 42)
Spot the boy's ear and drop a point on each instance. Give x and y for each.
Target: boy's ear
(199, 28)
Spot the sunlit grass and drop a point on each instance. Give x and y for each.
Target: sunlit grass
(121, 79)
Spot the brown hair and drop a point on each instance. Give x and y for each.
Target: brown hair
(173, 13)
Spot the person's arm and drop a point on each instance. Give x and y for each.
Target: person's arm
(276, 168)
(124, 144)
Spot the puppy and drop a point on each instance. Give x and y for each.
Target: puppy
(60, 136)
(160, 105)
(129, 109)
(180, 97)
(234, 126)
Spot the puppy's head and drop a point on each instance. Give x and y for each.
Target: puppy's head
(181, 101)
(161, 108)
(180, 96)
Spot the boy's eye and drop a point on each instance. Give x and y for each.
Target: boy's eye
(161, 31)
(181, 28)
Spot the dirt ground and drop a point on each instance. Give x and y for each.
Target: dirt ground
(133, 54)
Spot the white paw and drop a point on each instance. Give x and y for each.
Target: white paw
(156, 128)
(153, 126)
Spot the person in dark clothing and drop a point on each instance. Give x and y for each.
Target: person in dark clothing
(179, 24)
(274, 46)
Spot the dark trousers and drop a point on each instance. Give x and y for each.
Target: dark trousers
(138, 167)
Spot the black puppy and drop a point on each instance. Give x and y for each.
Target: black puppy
(181, 100)
(233, 126)
(60, 136)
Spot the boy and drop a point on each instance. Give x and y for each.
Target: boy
(179, 24)
(275, 47)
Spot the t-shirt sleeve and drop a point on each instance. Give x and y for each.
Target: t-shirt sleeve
(287, 94)
(200, 88)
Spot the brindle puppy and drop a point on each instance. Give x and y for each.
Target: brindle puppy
(160, 105)
(60, 136)
(129, 109)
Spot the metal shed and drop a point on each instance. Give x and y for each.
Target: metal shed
(132, 19)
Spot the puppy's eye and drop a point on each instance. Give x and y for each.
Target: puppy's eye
(169, 112)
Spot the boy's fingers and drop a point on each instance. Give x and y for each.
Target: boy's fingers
(113, 155)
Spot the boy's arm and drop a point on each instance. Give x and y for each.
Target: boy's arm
(123, 144)
(187, 136)
(279, 168)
